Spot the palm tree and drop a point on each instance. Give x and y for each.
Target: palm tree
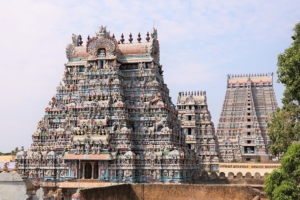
(15, 151)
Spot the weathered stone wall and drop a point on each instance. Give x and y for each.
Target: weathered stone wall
(169, 192)
(231, 178)
(12, 186)
(244, 168)
(116, 192)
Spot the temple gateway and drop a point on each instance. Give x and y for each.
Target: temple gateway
(112, 119)
(242, 130)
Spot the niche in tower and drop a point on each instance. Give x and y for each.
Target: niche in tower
(101, 52)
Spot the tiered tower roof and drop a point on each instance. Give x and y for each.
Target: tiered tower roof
(112, 117)
(242, 129)
(198, 128)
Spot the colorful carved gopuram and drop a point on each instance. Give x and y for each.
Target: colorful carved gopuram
(242, 131)
(112, 119)
(198, 129)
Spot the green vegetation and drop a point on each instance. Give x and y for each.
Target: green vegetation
(13, 152)
(282, 183)
(284, 133)
(285, 125)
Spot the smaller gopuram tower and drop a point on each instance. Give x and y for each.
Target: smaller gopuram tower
(198, 129)
(242, 131)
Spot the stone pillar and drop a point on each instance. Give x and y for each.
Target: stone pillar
(93, 165)
(98, 170)
(83, 170)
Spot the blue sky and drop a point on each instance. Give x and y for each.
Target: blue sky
(201, 42)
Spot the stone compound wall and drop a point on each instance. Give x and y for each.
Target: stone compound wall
(169, 192)
(230, 178)
(244, 168)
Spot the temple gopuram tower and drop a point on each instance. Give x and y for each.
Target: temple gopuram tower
(111, 118)
(198, 128)
(242, 130)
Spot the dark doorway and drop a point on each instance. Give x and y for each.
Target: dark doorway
(96, 170)
(88, 171)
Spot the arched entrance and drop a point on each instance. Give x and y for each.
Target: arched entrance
(90, 170)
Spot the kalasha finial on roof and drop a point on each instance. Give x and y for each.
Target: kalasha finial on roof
(113, 36)
(102, 28)
(122, 38)
(88, 38)
(130, 38)
(139, 38)
(147, 38)
(102, 32)
(154, 34)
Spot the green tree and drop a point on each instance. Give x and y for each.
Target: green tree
(284, 123)
(289, 69)
(282, 184)
(16, 150)
(284, 128)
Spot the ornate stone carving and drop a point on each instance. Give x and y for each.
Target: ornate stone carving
(114, 108)
(69, 51)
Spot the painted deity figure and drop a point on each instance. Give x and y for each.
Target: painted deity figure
(93, 149)
(87, 148)
(158, 174)
(120, 174)
(171, 174)
(127, 174)
(106, 65)
(98, 149)
(111, 174)
(74, 169)
(77, 150)
(153, 174)
(115, 64)
(152, 65)
(141, 67)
